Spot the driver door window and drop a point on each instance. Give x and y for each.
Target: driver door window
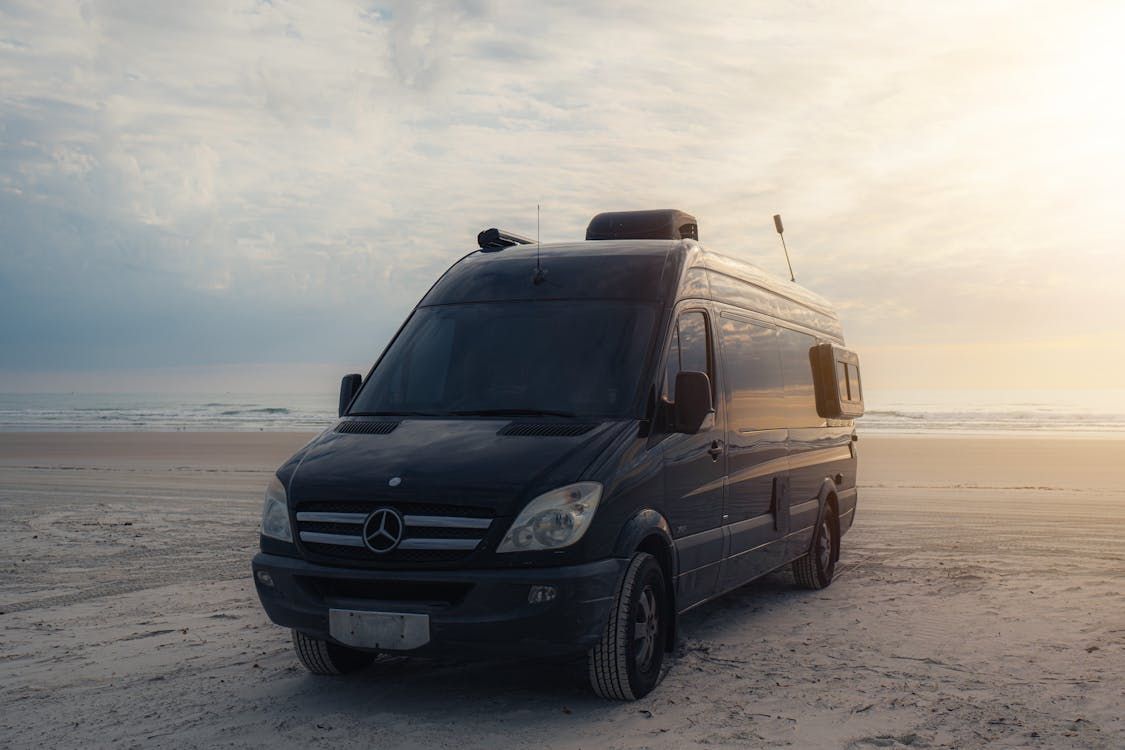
(688, 352)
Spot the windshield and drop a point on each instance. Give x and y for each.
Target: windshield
(562, 358)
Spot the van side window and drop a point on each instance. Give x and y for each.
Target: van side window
(752, 372)
(796, 369)
(842, 377)
(688, 351)
(855, 388)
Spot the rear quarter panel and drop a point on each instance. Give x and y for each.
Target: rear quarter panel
(816, 454)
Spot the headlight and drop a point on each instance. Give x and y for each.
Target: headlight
(554, 519)
(275, 513)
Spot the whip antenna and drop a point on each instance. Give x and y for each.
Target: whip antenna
(540, 275)
(781, 233)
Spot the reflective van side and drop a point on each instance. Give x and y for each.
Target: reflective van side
(757, 503)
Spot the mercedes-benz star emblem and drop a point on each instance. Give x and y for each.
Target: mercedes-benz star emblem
(382, 531)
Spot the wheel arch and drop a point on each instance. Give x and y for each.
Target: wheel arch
(829, 501)
(648, 531)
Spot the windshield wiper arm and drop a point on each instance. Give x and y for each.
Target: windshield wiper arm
(393, 414)
(513, 413)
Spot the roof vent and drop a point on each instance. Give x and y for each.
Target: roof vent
(664, 224)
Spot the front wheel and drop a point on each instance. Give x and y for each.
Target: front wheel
(625, 663)
(324, 657)
(816, 568)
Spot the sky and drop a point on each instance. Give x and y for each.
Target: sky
(237, 195)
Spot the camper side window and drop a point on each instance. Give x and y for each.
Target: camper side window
(842, 377)
(688, 352)
(848, 375)
(855, 388)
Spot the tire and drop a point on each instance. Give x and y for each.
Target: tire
(816, 568)
(322, 657)
(625, 664)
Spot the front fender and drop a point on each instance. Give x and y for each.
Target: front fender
(644, 524)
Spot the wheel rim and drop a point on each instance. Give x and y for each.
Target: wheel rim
(824, 546)
(646, 627)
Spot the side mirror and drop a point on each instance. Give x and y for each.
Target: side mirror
(348, 388)
(693, 406)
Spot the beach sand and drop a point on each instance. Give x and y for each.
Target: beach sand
(980, 601)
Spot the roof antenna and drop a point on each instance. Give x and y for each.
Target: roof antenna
(540, 275)
(781, 233)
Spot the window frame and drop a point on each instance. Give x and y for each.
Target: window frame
(674, 335)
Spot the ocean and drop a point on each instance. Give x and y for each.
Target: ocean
(1094, 413)
(1065, 413)
(166, 412)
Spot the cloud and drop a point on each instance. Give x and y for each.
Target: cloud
(279, 182)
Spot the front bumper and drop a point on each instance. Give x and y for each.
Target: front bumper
(470, 611)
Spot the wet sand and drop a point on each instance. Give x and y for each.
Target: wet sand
(981, 601)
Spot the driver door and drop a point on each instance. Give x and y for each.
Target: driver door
(695, 465)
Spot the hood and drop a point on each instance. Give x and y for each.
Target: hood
(462, 462)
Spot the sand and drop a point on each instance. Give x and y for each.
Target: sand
(981, 601)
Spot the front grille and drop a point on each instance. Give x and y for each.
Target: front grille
(340, 552)
(432, 532)
(405, 508)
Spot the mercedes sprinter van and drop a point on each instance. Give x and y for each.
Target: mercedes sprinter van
(561, 450)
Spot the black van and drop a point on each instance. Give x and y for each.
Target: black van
(563, 448)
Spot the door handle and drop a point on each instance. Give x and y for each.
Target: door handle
(715, 450)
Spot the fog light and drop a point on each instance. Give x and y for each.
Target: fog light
(265, 578)
(542, 594)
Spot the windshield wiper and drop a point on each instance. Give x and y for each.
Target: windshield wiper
(393, 414)
(513, 413)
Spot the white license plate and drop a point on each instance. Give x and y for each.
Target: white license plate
(388, 630)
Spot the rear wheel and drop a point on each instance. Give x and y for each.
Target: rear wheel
(816, 568)
(323, 657)
(625, 664)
